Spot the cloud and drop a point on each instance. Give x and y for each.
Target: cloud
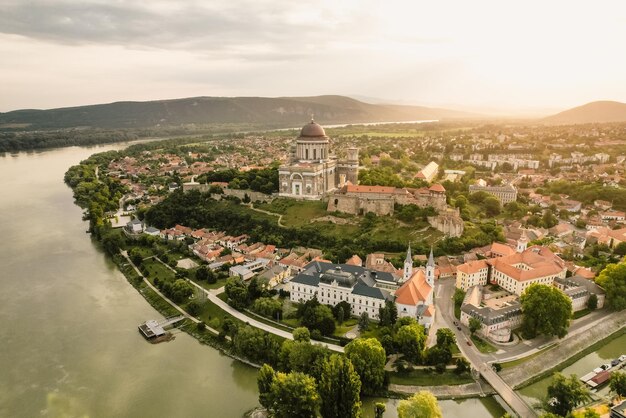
(245, 29)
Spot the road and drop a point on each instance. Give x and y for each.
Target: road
(445, 310)
(257, 324)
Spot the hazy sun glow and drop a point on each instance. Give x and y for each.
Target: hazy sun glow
(510, 56)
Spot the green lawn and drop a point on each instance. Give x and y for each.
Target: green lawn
(345, 327)
(156, 269)
(424, 378)
(581, 313)
(482, 345)
(295, 212)
(213, 315)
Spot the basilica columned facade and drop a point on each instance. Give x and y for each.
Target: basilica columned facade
(311, 171)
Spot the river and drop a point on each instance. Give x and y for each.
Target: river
(69, 344)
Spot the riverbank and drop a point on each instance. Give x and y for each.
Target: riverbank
(166, 307)
(572, 349)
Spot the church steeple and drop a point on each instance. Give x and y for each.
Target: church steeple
(430, 269)
(408, 265)
(522, 242)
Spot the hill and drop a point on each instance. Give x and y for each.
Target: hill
(261, 111)
(594, 112)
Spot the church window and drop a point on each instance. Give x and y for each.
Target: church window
(315, 154)
(306, 154)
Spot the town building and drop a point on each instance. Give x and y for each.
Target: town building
(498, 312)
(415, 297)
(311, 171)
(367, 290)
(429, 172)
(579, 289)
(505, 194)
(513, 270)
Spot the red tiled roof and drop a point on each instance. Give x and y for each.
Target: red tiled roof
(351, 188)
(415, 290)
(437, 188)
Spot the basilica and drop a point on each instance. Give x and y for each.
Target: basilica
(312, 171)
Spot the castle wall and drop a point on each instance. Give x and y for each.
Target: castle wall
(359, 206)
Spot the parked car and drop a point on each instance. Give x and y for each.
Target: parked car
(469, 342)
(458, 327)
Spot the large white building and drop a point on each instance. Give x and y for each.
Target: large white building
(312, 172)
(365, 290)
(513, 272)
(505, 194)
(368, 290)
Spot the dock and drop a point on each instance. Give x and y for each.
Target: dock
(153, 329)
(601, 375)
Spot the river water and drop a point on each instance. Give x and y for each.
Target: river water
(69, 344)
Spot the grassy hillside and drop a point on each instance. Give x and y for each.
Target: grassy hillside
(594, 112)
(261, 111)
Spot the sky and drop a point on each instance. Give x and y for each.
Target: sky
(490, 56)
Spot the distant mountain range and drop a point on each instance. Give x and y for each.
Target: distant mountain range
(261, 111)
(594, 112)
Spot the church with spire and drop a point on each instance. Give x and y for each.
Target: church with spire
(415, 298)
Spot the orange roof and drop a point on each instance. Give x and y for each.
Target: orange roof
(351, 188)
(430, 311)
(541, 263)
(415, 290)
(355, 260)
(437, 188)
(472, 267)
(502, 249)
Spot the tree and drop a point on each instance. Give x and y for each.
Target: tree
(618, 383)
(364, 322)
(462, 366)
(369, 358)
(254, 289)
(388, 314)
(492, 206)
(180, 290)
(474, 325)
(592, 302)
(256, 344)
(564, 394)
(319, 318)
(590, 413)
(237, 293)
(202, 273)
(302, 334)
(344, 308)
(445, 338)
(264, 380)
(410, 340)
(339, 389)
(306, 357)
(268, 307)
(379, 410)
(613, 280)
(438, 355)
(546, 311)
(423, 404)
(620, 249)
(294, 395)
